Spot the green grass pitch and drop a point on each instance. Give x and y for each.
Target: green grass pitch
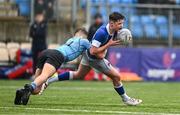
(93, 98)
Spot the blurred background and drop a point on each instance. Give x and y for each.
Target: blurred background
(153, 55)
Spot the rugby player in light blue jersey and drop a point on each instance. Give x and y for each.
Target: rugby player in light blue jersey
(94, 58)
(50, 60)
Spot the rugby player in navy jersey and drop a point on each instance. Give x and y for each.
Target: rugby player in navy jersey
(94, 58)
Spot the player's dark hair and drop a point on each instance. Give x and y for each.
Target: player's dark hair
(115, 16)
(39, 13)
(98, 15)
(83, 30)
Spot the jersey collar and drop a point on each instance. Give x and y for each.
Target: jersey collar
(107, 28)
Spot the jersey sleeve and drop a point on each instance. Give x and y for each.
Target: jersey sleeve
(98, 38)
(86, 43)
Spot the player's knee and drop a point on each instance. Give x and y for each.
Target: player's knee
(74, 75)
(116, 79)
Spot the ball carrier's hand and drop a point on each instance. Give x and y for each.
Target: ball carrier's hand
(112, 42)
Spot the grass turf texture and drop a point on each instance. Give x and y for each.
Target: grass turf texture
(93, 98)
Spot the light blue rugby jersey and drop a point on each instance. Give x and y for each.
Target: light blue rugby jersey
(73, 48)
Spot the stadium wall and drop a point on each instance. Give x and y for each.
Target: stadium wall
(152, 64)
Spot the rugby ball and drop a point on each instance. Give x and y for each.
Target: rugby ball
(124, 35)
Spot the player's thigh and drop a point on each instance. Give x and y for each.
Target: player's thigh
(113, 73)
(48, 70)
(82, 71)
(105, 67)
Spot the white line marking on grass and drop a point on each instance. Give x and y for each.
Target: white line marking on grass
(89, 111)
(63, 88)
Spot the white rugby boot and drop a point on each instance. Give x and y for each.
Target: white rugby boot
(132, 101)
(44, 86)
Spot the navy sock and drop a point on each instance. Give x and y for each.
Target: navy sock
(120, 90)
(64, 76)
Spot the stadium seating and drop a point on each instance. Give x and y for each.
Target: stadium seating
(128, 1)
(26, 46)
(161, 20)
(113, 1)
(18, 1)
(176, 33)
(116, 9)
(13, 45)
(126, 24)
(150, 26)
(93, 10)
(136, 26)
(135, 19)
(146, 19)
(150, 29)
(177, 1)
(103, 11)
(98, 1)
(124, 10)
(24, 7)
(12, 49)
(137, 31)
(2, 44)
(12, 54)
(163, 31)
(4, 56)
(83, 3)
(162, 25)
(52, 46)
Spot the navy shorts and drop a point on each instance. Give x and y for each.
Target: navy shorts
(51, 56)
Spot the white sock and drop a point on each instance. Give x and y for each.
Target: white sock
(52, 79)
(70, 75)
(121, 92)
(125, 97)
